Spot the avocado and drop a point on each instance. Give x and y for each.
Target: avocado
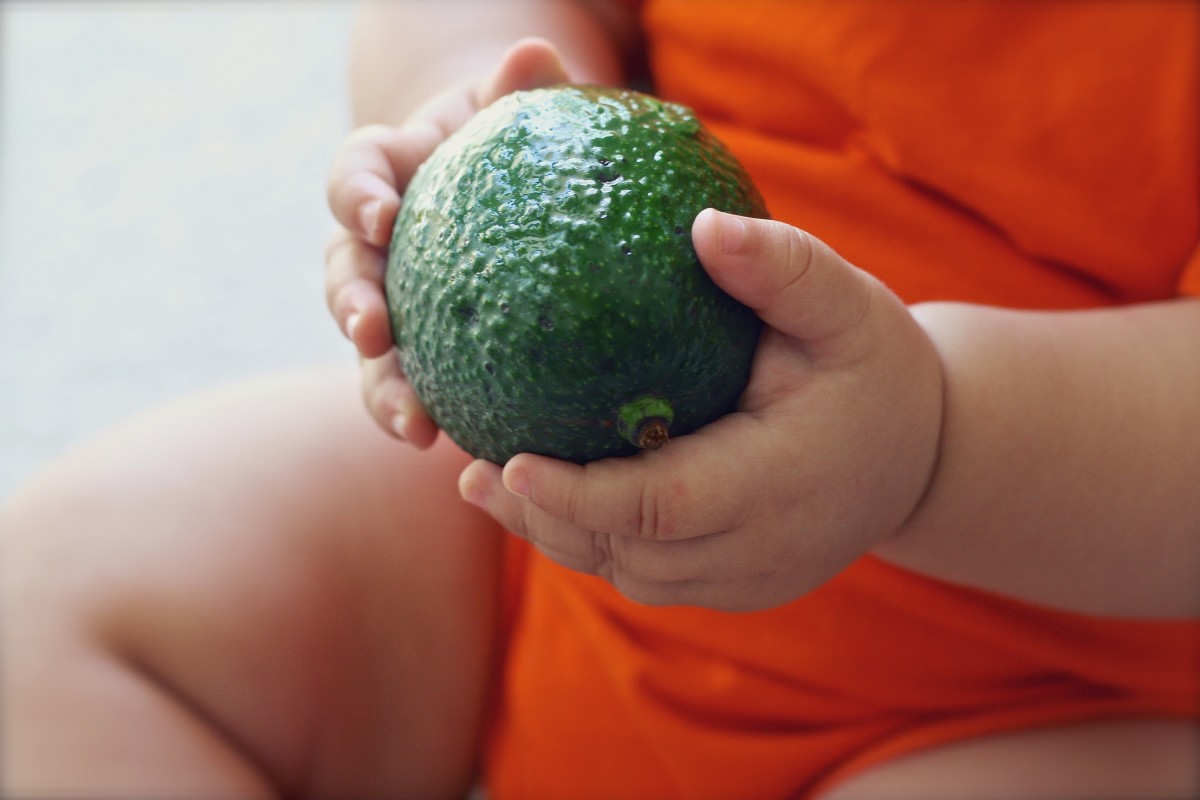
(543, 290)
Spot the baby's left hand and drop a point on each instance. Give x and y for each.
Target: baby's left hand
(830, 450)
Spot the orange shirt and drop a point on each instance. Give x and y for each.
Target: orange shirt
(1031, 154)
(1028, 154)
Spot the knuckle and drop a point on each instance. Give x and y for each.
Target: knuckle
(798, 250)
(338, 296)
(423, 135)
(573, 503)
(337, 299)
(335, 290)
(372, 395)
(376, 393)
(350, 261)
(648, 508)
(336, 244)
(633, 561)
(370, 134)
(344, 196)
(658, 513)
(527, 523)
(603, 558)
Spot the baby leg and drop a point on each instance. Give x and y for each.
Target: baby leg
(253, 592)
(1146, 758)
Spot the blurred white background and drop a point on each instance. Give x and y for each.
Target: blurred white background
(162, 211)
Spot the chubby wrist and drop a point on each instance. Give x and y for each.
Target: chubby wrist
(1066, 469)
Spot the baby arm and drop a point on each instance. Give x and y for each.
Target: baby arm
(1049, 456)
(1070, 459)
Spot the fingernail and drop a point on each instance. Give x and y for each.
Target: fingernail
(368, 217)
(731, 232)
(352, 323)
(398, 423)
(517, 482)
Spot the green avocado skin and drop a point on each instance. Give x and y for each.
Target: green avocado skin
(541, 274)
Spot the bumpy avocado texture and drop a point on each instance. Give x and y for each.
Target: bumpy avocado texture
(543, 289)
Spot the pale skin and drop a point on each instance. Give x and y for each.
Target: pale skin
(182, 617)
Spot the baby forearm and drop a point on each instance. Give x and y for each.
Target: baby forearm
(1070, 458)
(403, 53)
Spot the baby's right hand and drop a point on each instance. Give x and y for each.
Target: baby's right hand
(370, 171)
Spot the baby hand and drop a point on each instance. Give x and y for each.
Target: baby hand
(830, 450)
(369, 174)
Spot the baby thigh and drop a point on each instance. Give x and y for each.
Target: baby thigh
(250, 593)
(1116, 758)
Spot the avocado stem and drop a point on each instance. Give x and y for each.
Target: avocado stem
(646, 422)
(653, 433)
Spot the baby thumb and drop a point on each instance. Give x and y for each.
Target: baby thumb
(529, 64)
(795, 282)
